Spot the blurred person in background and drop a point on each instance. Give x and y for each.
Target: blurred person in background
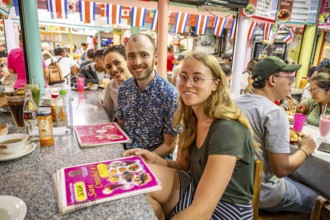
(116, 66)
(90, 58)
(319, 88)
(3, 53)
(227, 71)
(246, 85)
(171, 61)
(95, 71)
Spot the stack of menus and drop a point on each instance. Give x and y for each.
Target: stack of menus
(85, 185)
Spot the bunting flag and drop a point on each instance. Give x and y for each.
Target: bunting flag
(232, 29)
(252, 27)
(267, 30)
(273, 33)
(154, 23)
(58, 9)
(16, 7)
(181, 22)
(138, 15)
(113, 14)
(125, 10)
(288, 38)
(87, 11)
(201, 24)
(219, 26)
(71, 6)
(103, 9)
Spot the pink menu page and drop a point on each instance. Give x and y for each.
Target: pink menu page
(107, 180)
(100, 134)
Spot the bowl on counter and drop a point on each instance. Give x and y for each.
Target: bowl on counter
(12, 143)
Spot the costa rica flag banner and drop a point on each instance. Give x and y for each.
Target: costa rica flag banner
(267, 30)
(201, 24)
(58, 9)
(137, 17)
(87, 11)
(154, 23)
(113, 14)
(219, 26)
(232, 29)
(252, 27)
(181, 22)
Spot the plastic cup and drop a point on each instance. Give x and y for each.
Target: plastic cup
(299, 121)
(81, 84)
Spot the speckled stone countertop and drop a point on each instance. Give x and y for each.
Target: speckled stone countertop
(30, 178)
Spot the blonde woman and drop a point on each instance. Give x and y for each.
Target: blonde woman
(212, 177)
(116, 66)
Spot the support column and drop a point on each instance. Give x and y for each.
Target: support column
(32, 47)
(162, 34)
(98, 40)
(306, 52)
(239, 53)
(319, 48)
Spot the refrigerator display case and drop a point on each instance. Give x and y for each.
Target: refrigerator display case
(278, 49)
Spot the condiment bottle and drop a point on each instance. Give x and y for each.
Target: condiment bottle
(61, 105)
(53, 107)
(30, 109)
(45, 129)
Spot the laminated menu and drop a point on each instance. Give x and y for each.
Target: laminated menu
(85, 185)
(100, 134)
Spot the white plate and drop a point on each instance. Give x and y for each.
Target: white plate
(28, 148)
(12, 207)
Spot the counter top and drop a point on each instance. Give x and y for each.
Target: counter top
(30, 177)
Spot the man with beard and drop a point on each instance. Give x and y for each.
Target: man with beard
(272, 81)
(147, 102)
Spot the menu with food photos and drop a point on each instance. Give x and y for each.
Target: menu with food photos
(90, 184)
(100, 134)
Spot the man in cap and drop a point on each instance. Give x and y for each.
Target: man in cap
(272, 80)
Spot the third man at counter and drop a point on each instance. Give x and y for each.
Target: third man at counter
(147, 102)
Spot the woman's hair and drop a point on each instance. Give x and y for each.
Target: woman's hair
(322, 80)
(219, 105)
(116, 48)
(251, 64)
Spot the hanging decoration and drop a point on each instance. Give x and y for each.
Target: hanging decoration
(58, 9)
(113, 14)
(181, 22)
(267, 30)
(219, 26)
(232, 29)
(201, 24)
(252, 27)
(154, 23)
(87, 11)
(288, 38)
(137, 17)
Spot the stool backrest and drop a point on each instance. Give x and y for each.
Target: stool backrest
(256, 188)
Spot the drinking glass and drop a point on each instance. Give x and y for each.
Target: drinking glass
(35, 90)
(324, 127)
(16, 104)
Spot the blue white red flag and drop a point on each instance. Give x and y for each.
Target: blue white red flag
(154, 23)
(87, 11)
(113, 13)
(16, 7)
(181, 22)
(267, 30)
(137, 17)
(232, 29)
(201, 24)
(288, 38)
(252, 27)
(58, 9)
(219, 26)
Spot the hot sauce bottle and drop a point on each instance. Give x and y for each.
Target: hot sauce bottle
(45, 129)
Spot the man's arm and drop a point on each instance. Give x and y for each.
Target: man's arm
(168, 145)
(284, 164)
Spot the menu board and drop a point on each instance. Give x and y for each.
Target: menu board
(261, 9)
(324, 18)
(297, 12)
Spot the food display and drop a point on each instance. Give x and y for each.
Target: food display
(283, 15)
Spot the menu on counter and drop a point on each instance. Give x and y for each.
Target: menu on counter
(324, 17)
(100, 134)
(297, 12)
(261, 9)
(85, 185)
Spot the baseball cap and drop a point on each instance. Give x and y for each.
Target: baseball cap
(271, 65)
